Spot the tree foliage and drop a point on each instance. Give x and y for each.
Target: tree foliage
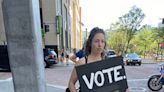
(127, 35)
(117, 41)
(160, 33)
(116, 38)
(131, 23)
(43, 33)
(144, 40)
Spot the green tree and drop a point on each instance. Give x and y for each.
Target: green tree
(159, 38)
(144, 40)
(160, 33)
(43, 33)
(131, 23)
(116, 38)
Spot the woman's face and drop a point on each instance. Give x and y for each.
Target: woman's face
(98, 43)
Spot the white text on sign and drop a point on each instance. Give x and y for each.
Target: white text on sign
(94, 76)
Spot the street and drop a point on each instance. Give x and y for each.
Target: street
(138, 76)
(58, 75)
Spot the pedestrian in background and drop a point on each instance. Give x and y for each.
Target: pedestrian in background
(67, 52)
(78, 55)
(61, 56)
(74, 50)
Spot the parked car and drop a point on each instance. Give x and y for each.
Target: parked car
(4, 59)
(50, 57)
(110, 53)
(132, 59)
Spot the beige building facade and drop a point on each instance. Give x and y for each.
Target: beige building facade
(76, 31)
(2, 30)
(70, 11)
(70, 35)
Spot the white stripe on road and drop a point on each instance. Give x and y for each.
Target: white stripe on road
(131, 80)
(57, 86)
(137, 89)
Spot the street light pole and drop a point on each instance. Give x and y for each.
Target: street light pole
(86, 33)
(24, 44)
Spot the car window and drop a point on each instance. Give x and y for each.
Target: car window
(133, 55)
(111, 53)
(53, 52)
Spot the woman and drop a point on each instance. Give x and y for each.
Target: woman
(94, 52)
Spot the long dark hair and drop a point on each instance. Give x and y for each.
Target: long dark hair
(93, 32)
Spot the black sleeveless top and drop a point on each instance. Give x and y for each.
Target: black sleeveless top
(86, 59)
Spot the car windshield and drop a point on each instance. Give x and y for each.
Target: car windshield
(133, 56)
(111, 53)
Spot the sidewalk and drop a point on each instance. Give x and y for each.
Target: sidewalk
(7, 86)
(150, 61)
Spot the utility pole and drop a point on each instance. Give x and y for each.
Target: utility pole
(23, 33)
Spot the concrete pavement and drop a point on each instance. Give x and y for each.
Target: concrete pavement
(7, 86)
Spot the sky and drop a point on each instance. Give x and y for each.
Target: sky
(102, 13)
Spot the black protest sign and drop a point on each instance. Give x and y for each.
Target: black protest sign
(103, 76)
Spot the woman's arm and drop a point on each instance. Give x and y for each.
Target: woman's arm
(73, 78)
(72, 81)
(73, 58)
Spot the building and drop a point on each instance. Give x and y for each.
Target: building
(77, 25)
(70, 34)
(63, 20)
(2, 30)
